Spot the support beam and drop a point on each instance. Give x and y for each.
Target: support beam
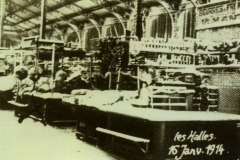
(194, 3)
(24, 7)
(2, 20)
(139, 29)
(43, 19)
(60, 6)
(70, 16)
(17, 17)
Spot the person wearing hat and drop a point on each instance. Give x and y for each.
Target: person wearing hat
(32, 75)
(24, 84)
(59, 81)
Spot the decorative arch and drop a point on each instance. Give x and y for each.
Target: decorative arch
(94, 22)
(71, 37)
(75, 28)
(167, 7)
(96, 25)
(194, 3)
(120, 18)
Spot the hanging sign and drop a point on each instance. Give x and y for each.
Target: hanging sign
(218, 15)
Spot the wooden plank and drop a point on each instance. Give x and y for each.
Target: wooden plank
(125, 136)
(160, 104)
(177, 97)
(177, 104)
(17, 104)
(159, 96)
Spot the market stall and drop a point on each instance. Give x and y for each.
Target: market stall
(167, 117)
(12, 60)
(148, 81)
(44, 84)
(220, 60)
(46, 108)
(6, 93)
(146, 133)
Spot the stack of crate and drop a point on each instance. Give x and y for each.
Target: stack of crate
(198, 79)
(209, 98)
(206, 97)
(197, 99)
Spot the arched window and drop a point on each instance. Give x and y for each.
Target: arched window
(186, 24)
(114, 30)
(190, 23)
(89, 34)
(160, 26)
(72, 37)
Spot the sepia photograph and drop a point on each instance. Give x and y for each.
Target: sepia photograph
(120, 79)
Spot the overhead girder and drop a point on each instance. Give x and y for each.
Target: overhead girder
(21, 33)
(18, 28)
(14, 37)
(194, 3)
(73, 26)
(93, 21)
(25, 23)
(128, 3)
(90, 17)
(49, 8)
(111, 11)
(35, 3)
(84, 11)
(16, 9)
(11, 33)
(60, 26)
(66, 18)
(22, 8)
(72, 15)
(19, 8)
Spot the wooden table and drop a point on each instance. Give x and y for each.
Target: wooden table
(50, 105)
(161, 134)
